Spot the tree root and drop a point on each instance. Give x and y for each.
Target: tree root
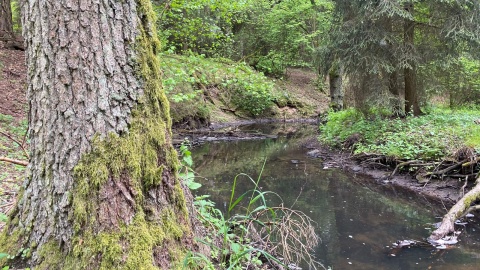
(461, 208)
(464, 169)
(403, 164)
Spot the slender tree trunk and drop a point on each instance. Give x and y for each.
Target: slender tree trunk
(102, 190)
(393, 85)
(411, 99)
(336, 87)
(6, 24)
(394, 89)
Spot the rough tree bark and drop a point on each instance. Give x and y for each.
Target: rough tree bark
(102, 190)
(411, 99)
(336, 87)
(6, 24)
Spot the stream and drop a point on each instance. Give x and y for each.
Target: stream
(357, 226)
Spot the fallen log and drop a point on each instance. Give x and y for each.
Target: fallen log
(457, 211)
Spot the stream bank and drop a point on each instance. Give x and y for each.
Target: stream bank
(358, 218)
(443, 193)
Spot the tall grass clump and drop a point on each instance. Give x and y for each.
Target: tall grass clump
(251, 234)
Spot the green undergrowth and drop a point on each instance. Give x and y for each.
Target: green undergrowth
(248, 234)
(432, 136)
(12, 137)
(195, 85)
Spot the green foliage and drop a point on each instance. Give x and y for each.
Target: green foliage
(429, 137)
(283, 33)
(17, 25)
(456, 78)
(186, 172)
(234, 236)
(236, 249)
(199, 26)
(269, 35)
(192, 79)
(272, 64)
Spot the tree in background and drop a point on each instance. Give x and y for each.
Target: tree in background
(6, 23)
(199, 26)
(102, 189)
(269, 35)
(380, 41)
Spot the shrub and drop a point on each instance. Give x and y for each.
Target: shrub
(429, 137)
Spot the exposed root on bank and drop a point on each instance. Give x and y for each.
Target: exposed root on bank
(463, 165)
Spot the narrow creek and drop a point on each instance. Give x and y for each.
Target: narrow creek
(357, 226)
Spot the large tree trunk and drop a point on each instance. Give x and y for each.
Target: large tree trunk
(102, 189)
(411, 99)
(336, 87)
(6, 24)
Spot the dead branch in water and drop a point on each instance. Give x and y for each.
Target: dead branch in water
(464, 169)
(457, 211)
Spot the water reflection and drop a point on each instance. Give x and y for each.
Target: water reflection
(356, 225)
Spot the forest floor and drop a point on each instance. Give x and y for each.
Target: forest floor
(13, 124)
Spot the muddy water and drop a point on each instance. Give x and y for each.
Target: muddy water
(357, 226)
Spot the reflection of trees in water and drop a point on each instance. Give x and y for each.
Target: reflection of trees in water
(339, 206)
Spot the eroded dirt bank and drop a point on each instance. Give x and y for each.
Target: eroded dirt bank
(443, 193)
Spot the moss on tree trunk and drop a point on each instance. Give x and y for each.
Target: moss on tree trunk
(103, 191)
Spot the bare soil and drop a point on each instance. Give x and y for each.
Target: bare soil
(302, 85)
(13, 99)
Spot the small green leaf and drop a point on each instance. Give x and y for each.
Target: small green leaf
(194, 185)
(188, 160)
(235, 247)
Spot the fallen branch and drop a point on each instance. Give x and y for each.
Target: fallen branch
(14, 161)
(471, 209)
(20, 144)
(448, 169)
(473, 162)
(459, 209)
